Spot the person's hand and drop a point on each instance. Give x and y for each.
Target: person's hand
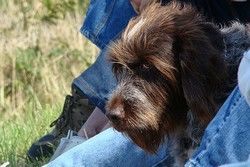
(94, 125)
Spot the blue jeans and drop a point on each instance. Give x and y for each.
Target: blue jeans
(227, 137)
(226, 140)
(105, 19)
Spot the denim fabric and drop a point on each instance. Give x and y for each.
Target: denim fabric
(104, 20)
(108, 149)
(97, 82)
(227, 138)
(238, 164)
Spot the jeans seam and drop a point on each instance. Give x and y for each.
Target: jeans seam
(164, 158)
(194, 163)
(93, 36)
(103, 21)
(218, 129)
(83, 82)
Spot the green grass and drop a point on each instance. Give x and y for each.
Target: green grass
(18, 133)
(41, 52)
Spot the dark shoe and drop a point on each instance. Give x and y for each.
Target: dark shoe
(42, 148)
(75, 112)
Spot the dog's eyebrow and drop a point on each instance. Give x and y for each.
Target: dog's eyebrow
(134, 29)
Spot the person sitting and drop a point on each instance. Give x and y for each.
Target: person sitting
(90, 83)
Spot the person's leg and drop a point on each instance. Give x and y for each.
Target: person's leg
(227, 138)
(75, 112)
(238, 164)
(109, 148)
(104, 20)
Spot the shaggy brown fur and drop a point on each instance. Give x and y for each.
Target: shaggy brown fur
(168, 61)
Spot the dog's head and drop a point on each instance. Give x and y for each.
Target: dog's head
(167, 61)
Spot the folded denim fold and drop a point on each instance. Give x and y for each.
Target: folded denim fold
(244, 76)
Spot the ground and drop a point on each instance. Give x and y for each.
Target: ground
(41, 51)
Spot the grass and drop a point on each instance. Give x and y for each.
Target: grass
(18, 134)
(41, 51)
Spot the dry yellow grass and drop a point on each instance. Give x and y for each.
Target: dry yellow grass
(41, 51)
(39, 58)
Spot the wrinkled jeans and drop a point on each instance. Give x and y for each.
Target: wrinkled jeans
(226, 139)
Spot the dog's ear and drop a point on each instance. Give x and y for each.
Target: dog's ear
(192, 47)
(199, 48)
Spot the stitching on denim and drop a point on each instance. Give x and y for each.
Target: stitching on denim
(217, 130)
(104, 19)
(89, 7)
(94, 35)
(236, 102)
(162, 160)
(92, 38)
(196, 161)
(192, 163)
(102, 44)
(83, 82)
(99, 42)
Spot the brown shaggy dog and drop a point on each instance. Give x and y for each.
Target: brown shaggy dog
(172, 78)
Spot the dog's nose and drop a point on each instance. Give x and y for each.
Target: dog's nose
(115, 116)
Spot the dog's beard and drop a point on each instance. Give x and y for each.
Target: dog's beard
(178, 58)
(147, 116)
(147, 139)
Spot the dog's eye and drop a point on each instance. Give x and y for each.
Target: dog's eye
(140, 69)
(145, 66)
